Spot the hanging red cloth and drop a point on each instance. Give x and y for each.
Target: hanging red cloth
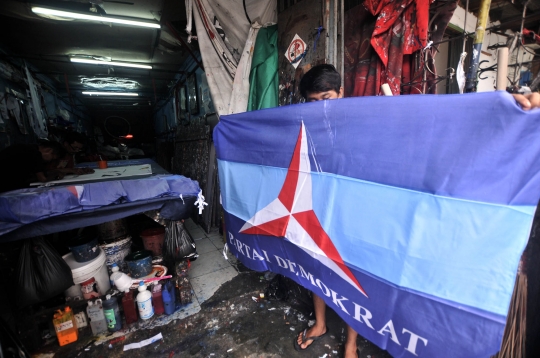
(378, 36)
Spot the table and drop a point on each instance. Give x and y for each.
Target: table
(39, 211)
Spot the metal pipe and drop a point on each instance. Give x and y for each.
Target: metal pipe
(477, 46)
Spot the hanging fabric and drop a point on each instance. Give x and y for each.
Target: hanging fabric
(189, 13)
(263, 90)
(460, 73)
(219, 78)
(14, 112)
(218, 42)
(223, 33)
(383, 40)
(241, 84)
(37, 122)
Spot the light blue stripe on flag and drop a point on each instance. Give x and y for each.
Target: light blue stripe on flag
(458, 250)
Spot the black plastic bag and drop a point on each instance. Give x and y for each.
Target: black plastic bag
(41, 273)
(178, 244)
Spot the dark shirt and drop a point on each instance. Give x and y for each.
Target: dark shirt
(20, 163)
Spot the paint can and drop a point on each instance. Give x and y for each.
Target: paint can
(153, 240)
(116, 251)
(84, 248)
(139, 263)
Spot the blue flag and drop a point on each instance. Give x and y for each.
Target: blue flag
(408, 215)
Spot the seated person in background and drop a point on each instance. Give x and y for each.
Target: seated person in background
(73, 144)
(24, 163)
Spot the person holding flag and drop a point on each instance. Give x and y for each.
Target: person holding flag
(323, 82)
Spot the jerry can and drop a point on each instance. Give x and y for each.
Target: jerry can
(65, 326)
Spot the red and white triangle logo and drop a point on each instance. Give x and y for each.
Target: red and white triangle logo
(291, 216)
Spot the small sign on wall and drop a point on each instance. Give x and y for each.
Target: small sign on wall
(296, 51)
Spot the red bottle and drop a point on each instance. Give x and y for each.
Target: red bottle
(157, 300)
(130, 307)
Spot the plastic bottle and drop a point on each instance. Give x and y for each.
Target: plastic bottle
(115, 273)
(96, 317)
(130, 308)
(65, 326)
(169, 297)
(157, 300)
(144, 302)
(112, 314)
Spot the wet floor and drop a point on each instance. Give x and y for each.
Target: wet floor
(224, 320)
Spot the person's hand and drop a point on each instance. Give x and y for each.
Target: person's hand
(528, 101)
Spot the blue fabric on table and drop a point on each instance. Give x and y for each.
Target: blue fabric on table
(38, 206)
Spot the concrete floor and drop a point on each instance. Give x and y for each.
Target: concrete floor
(222, 321)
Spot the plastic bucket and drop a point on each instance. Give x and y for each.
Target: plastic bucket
(84, 248)
(116, 252)
(84, 271)
(153, 240)
(139, 263)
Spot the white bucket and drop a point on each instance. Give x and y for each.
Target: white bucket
(83, 271)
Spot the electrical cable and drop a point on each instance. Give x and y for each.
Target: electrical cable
(245, 11)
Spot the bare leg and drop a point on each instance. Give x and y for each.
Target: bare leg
(320, 323)
(350, 344)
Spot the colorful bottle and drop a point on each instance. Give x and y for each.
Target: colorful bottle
(65, 326)
(96, 317)
(157, 300)
(115, 273)
(169, 297)
(130, 307)
(144, 302)
(112, 314)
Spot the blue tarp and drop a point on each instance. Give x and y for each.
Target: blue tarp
(31, 212)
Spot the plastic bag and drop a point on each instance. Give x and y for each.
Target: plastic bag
(41, 273)
(178, 244)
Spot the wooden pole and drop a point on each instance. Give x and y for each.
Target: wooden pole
(502, 68)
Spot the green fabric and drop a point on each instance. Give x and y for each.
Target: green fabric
(263, 78)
